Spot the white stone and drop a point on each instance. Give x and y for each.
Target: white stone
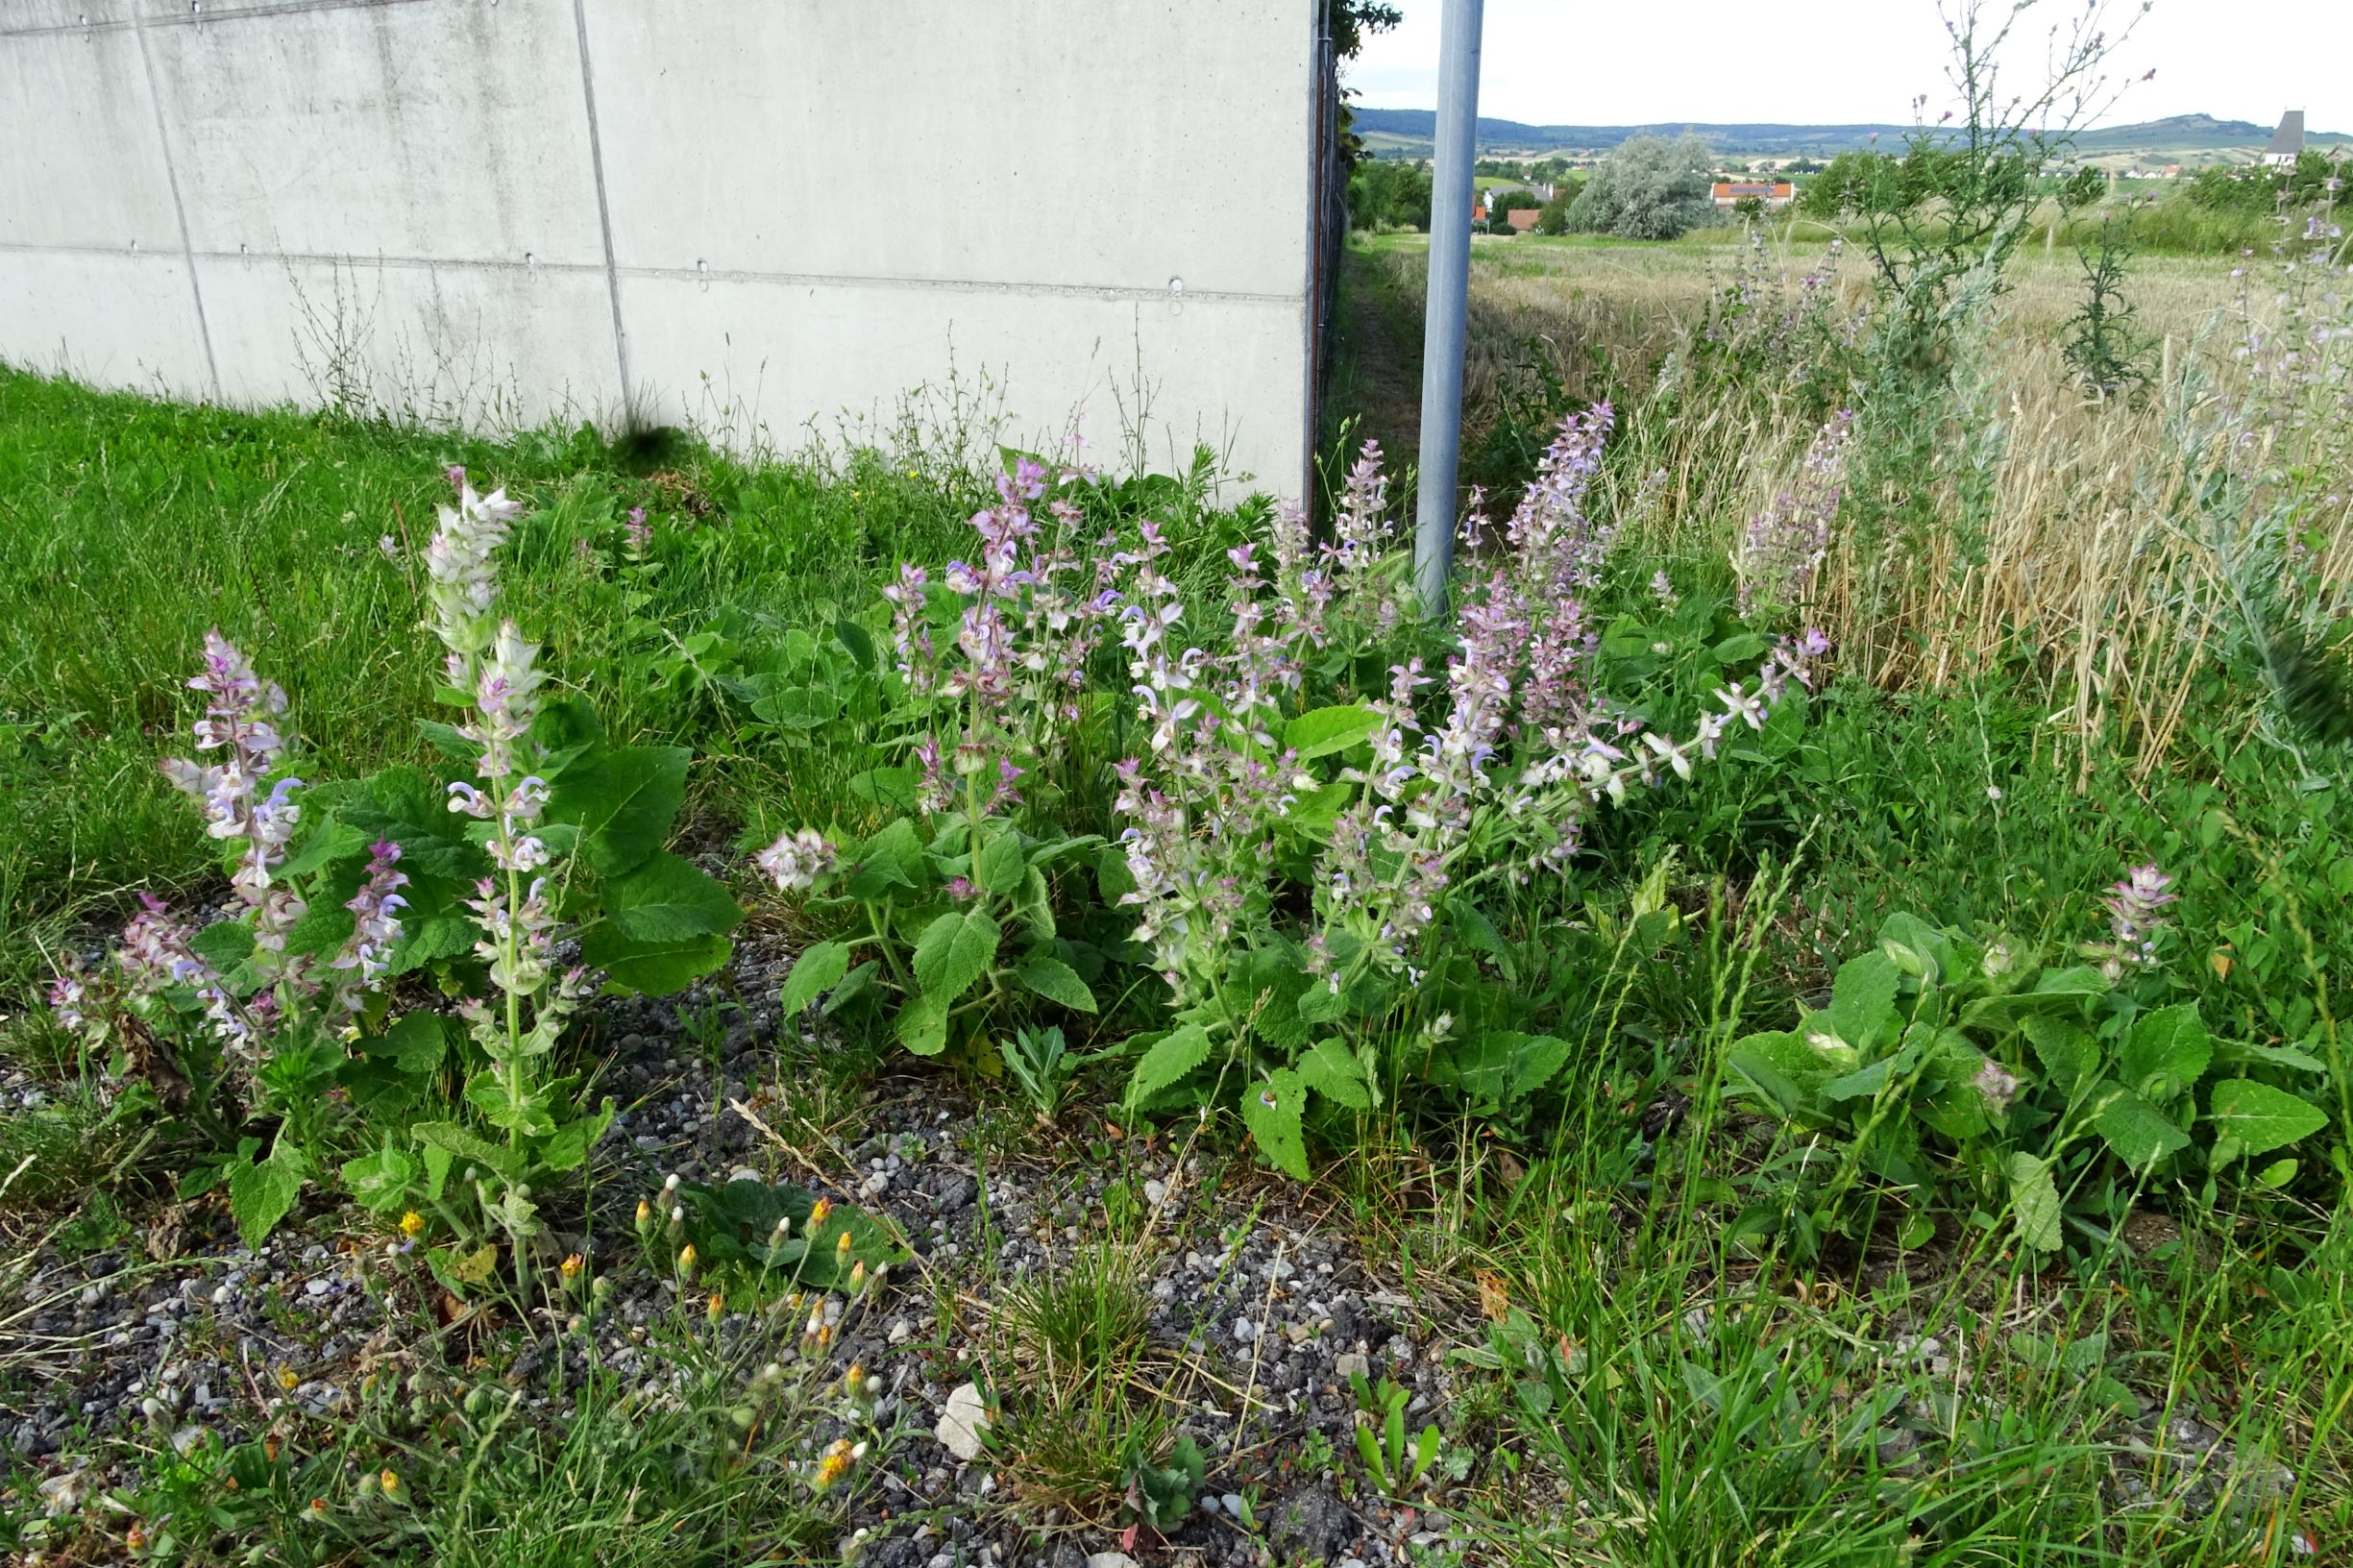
(963, 1421)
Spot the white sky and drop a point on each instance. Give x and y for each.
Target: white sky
(1829, 61)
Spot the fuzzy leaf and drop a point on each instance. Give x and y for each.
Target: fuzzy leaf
(1271, 1111)
(1334, 1072)
(1321, 731)
(1057, 982)
(2035, 1199)
(260, 1194)
(665, 925)
(1003, 868)
(415, 1045)
(224, 945)
(1166, 1064)
(922, 1025)
(464, 1143)
(1863, 998)
(853, 984)
(818, 970)
(381, 1182)
(2067, 1050)
(2138, 1133)
(622, 803)
(954, 951)
(2166, 1053)
(2253, 1119)
(892, 858)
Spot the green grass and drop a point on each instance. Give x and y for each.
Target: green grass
(1653, 1394)
(128, 527)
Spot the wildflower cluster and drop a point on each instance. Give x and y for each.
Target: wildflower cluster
(1495, 785)
(1788, 541)
(489, 659)
(2136, 915)
(1009, 677)
(271, 996)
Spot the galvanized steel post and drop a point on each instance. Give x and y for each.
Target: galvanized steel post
(1446, 301)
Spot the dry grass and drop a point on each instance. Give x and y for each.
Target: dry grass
(2094, 562)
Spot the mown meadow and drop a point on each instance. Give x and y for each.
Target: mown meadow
(925, 1002)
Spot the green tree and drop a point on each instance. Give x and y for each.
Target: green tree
(1650, 188)
(1389, 193)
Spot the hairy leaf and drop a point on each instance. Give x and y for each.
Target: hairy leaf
(1271, 1111)
(817, 972)
(1057, 982)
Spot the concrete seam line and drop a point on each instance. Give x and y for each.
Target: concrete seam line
(1109, 292)
(179, 211)
(604, 210)
(201, 18)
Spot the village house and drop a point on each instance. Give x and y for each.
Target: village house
(1774, 194)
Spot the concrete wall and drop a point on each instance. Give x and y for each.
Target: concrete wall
(749, 214)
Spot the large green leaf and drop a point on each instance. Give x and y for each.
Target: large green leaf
(953, 952)
(2138, 1133)
(1863, 999)
(2252, 1118)
(2035, 1200)
(262, 1193)
(1271, 1110)
(1321, 731)
(1778, 1068)
(817, 972)
(409, 807)
(1057, 982)
(2166, 1053)
(892, 858)
(1002, 866)
(668, 899)
(1173, 1056)
(2067, 1050)
(624, 803)
(665, 925)
(923, 1024)
(1503, 1066)
(415, 1045)
(1332, 1071)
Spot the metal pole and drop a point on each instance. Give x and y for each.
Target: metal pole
(1446, 302)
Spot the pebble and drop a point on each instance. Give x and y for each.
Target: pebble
(1244, 1331)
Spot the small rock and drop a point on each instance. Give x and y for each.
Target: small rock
(1112, 1560)
(963, 1421)
(1244, 1331)
(1154, 1192)
(1351, 1365)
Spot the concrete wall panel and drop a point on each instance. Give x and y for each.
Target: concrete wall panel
(446, 132)
(484, 347)
(780, 360)
(1114, 145)
(495, 211)
(81, 164)
(108, 320)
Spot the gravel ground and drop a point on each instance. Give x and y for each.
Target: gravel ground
(1257, 1312)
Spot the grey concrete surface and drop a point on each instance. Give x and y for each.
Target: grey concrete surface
(761, 218)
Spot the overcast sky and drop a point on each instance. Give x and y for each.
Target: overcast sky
(1829, 62)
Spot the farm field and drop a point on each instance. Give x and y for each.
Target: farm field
(931, 1005)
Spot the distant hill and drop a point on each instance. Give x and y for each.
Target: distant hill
(1408, 132)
